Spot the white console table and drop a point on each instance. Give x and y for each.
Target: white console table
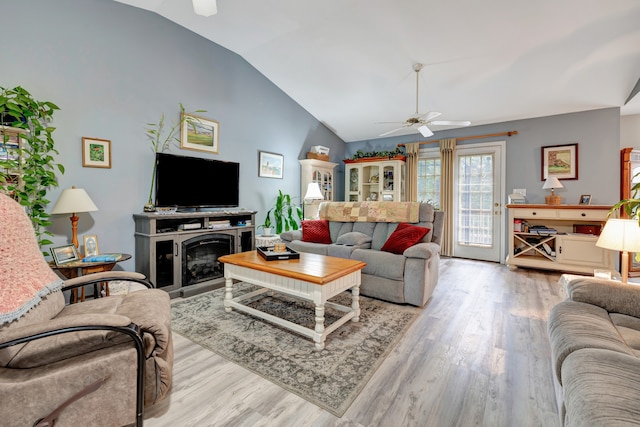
(565, 250)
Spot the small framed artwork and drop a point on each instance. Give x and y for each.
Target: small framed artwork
(270, 165)
(585, 199)
(64, 254)
(91, 245)
(198, 133)
(560, 161)
(96, 153)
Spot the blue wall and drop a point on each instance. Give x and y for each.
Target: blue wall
(112, 69)
(597, 133)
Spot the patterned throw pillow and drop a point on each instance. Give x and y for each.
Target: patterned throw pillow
(404, 236)
(316, 231)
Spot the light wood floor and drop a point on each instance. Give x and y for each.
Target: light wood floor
(478, 355)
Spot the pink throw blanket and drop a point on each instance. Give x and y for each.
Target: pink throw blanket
(25, 276)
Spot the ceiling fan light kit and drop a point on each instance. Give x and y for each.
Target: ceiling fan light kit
(425, 131)
(421, 122)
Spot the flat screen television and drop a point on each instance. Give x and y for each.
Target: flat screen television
(194, 182)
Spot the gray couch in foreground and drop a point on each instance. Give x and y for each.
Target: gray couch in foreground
(409, 277)
(595, 344)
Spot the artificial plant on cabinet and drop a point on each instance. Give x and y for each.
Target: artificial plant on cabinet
(161, 141)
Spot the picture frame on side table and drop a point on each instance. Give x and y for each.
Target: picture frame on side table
(199, 134)
(270, 165)
(585, 199)
(96, 153)
(560, 161)
(64, 254)
(91, 245)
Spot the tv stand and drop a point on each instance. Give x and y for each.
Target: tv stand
(163, 244)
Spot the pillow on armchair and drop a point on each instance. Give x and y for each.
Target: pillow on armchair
(403, 237)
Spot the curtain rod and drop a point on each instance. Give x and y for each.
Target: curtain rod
(462, 138)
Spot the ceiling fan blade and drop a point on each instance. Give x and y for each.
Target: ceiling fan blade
(450, 122)
(425, 131)
(392, 131)
(430, 115)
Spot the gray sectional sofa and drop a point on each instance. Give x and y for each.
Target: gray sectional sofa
(595, 345)
(409, 277)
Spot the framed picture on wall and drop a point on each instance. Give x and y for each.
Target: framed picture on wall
(200, 134)
(96, 153)
(560, 161)
(270, 165)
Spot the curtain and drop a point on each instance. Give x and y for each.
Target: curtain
(447, 151)
(413, 152)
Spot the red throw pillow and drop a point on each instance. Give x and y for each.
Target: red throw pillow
(404, 236)
(316, 231)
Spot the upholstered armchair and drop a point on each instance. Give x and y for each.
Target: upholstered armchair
(98, 362)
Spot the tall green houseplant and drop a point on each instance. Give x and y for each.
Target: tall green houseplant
(19, 109)
(631, 206)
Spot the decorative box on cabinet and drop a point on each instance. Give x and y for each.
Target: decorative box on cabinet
(562, 250)
(319, 171)
(374, 180)
(629, 175)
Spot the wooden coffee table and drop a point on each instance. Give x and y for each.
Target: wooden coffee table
(314, 278)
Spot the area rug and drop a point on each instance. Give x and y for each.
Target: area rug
(331, 378)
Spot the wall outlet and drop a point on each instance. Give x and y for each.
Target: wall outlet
(522, 191)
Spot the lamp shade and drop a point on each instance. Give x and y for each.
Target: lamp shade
(313, 192)
(73, 200)
(620, 235)
(205, 7)
(552, 182)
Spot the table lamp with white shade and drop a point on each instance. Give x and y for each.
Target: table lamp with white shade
(73, 201)
(621, 235)
(313, 193)
(552, 183)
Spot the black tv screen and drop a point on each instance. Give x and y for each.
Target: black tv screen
(194, 182)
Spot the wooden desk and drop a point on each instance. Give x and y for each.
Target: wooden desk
(78, 268)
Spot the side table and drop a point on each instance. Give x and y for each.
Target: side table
(262, 240)
(74, 269)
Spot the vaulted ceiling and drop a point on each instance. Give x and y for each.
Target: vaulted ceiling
(349, 62)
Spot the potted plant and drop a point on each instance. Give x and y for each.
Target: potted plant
(286, 214)
(266, 225)
(630, 206)
(161, 142)
(19, 109)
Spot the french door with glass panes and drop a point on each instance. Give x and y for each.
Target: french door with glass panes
(478, 200)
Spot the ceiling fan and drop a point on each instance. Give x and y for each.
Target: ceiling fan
(421, 122)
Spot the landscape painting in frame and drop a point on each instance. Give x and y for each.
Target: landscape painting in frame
(96, 153)
(270, 165)
(200, 134)
(560, 161)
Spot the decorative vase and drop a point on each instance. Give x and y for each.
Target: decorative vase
(149, 207)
